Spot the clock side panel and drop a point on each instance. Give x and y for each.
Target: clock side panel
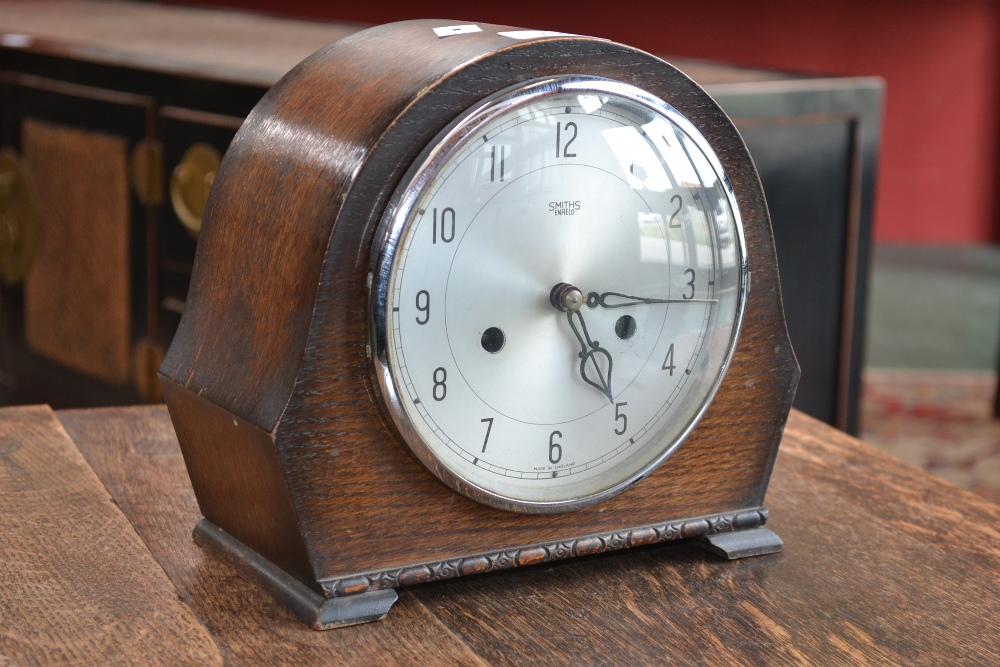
(237, 479)
(366, 504)
(269, 217)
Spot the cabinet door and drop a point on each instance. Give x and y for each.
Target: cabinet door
(82, 302)
(815, 144)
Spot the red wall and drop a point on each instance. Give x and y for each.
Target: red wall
(938, 179)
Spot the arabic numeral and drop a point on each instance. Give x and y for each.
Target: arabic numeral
(689, 283)
(447, 225)
(489, 427)
(439, 384)
(564, 152)
(425, 308)
(680, 202)
(497, 167)
(555, 448)
(621, 416)
(668, 363)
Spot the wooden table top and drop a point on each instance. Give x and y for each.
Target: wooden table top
(883, 564)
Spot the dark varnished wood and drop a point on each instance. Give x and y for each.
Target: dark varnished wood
(275, 329)
(883, 564)
(77, 584)
(242, 458)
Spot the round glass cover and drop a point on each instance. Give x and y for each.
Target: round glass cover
(559, 285)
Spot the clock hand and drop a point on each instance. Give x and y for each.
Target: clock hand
(589, 351)
(569, 300)
(594, 300)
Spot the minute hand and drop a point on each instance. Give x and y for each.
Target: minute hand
(594, 300)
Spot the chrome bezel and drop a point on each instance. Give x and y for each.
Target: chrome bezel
(391, 230)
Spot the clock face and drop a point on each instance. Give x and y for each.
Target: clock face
(559, 285)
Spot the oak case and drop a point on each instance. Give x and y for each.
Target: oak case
(268, 378)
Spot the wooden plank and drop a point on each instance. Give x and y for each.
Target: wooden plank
(883, 564)
(136, 454)
(77, 585)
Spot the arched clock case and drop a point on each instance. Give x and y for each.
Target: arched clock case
(471, 298)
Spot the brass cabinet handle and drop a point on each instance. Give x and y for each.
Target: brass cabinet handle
(18, 220)
(191, 183)
(146, 166)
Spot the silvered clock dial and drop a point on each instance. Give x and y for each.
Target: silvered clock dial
(559, 289)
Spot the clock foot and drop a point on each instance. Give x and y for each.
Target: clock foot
(741, 543)
(354, 609)
(312, 608)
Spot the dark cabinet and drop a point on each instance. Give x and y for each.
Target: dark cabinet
(815, 144)
(79, 305)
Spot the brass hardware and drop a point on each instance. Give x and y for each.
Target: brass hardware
(147, 356)
(172, 304)
(147, 172)
(18, 220)
(191, 183)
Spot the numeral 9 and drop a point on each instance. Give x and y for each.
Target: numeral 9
(425, 308)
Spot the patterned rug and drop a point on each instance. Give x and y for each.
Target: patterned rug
(941, 421)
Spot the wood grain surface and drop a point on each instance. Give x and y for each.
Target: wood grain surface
(883, 565)
(77, 294)
(77, 584)
(135, 452)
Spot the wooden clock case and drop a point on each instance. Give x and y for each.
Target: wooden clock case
(300, 477)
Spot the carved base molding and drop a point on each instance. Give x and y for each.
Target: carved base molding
(544, 553)
(367, 596)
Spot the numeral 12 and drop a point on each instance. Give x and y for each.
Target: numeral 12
(565, 149)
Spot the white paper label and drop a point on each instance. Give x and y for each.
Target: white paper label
(449, 30)
(15, 41)
(533, 34)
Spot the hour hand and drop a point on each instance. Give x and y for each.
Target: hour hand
(619, 300)
(569, 299)
(590, 350)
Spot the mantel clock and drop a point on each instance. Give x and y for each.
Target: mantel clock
(500, 298)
